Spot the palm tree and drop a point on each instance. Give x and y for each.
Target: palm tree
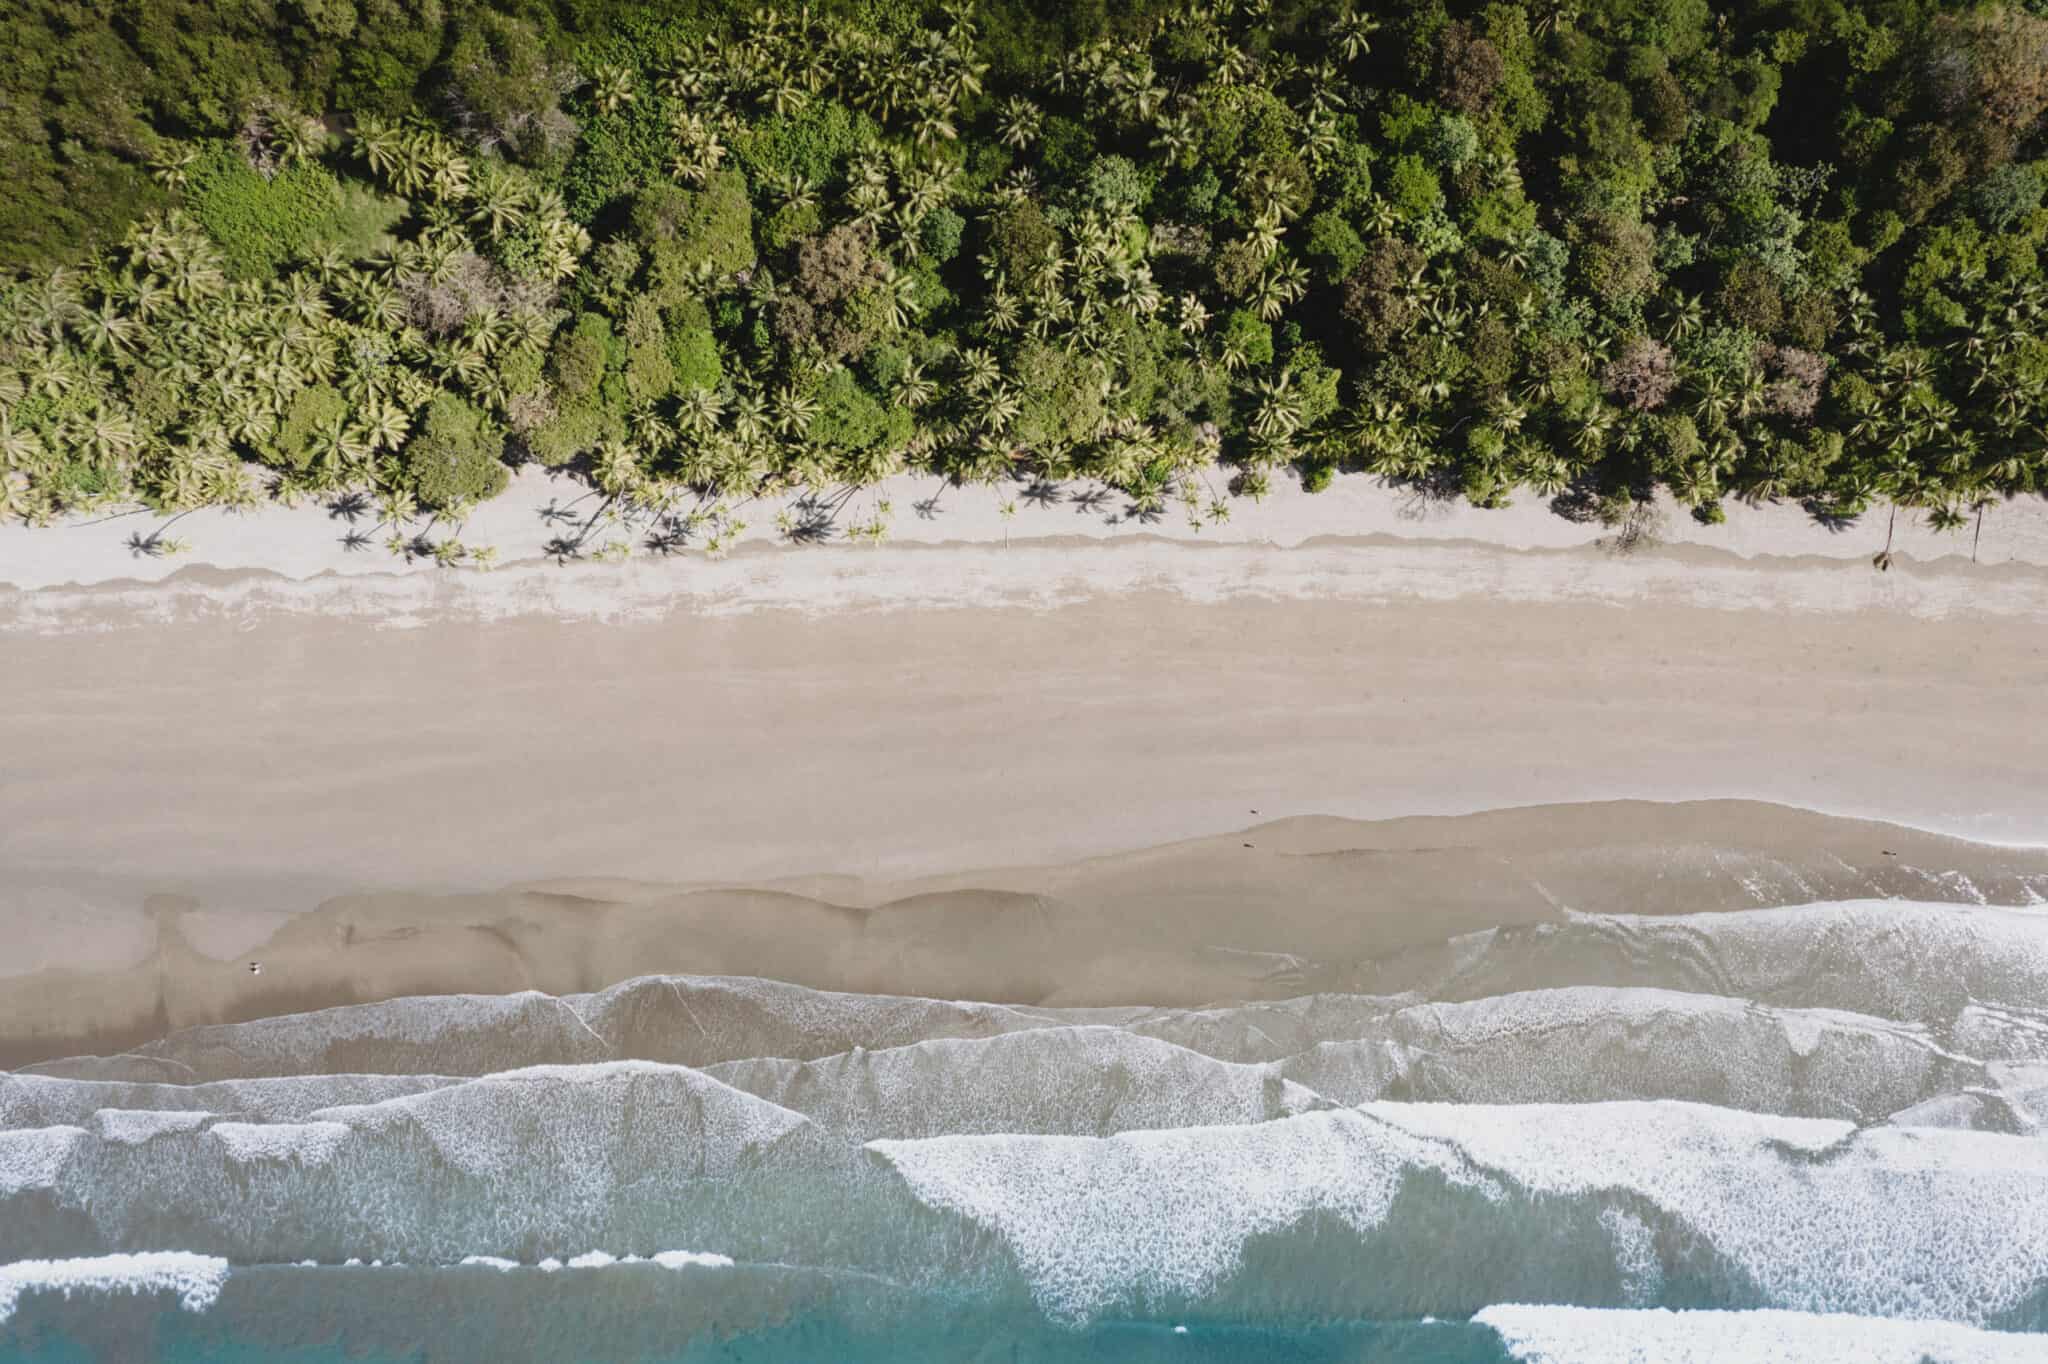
(978, 369)
(1018, 123)
(1352, 35)
(20, 447)
(380, 145)
(793, 409)
(612, 87)
(170, 162)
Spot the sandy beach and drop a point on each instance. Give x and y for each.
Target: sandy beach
(244, 761)
(872, 875)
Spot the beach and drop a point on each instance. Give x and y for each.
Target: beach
(194, 764)
(1139, 944)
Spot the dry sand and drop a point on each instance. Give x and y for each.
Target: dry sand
(309, 540)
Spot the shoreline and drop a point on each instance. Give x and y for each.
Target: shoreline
(1041, 575)
(1281, 909)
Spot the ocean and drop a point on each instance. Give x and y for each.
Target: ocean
(1806, 1133)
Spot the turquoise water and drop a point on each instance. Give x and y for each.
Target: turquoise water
(176, 1337)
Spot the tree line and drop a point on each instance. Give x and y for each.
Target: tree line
(1570, 251)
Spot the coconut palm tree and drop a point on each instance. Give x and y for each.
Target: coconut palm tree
(612, 87)
(1018, 122)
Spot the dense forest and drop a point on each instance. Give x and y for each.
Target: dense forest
(384, 249)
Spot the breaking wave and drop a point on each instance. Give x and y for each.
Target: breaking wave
(1820, 1126)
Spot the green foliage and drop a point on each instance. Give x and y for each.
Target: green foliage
(313, 410)
(1244, 333)
(581, 355)
(260, 224)
(1413, 188)
(1061, 395)
(503, 80)
(2007, 196)
(1448, 142)
(1115, 183)
(454, 459)
(687, 233)
(1021, 239)
(940, 234)
(1452, 258)
(813, 143)
(694, 358)
(1334, 245)
(851, 420)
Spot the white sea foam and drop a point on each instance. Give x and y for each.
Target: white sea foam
(46, 1100)
(532, 1159)
(1898, 959)
(1083, 1081)
(34, 1158)
(132, 1127)
(1796, 1204)
(1791, 1206)
(1587, 1044)
(1101, 1223)
(308, 1143)
(1582, 1335)
(196, 1279)
(692, 1259)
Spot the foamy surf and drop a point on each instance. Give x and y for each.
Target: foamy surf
(195, 1280)
(1577, 1335)
(1614, 1117)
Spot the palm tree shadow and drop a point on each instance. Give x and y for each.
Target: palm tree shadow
(150, 546)
(1043, 492)
(355, 540)
(1832, 519)
(669, 534)
(1088, 500)
(814, 522)
(348, 507)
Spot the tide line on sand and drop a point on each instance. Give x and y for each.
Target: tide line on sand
(1039, 576)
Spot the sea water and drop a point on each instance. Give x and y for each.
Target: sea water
(1812, 1133)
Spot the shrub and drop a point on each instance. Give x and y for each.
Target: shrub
(454, 458)
(1413, 188)
(1334, 245)
(2005, 197)
(1374, 301)
(694, 358)
(1114, 183)
(1021, 239)
(685, 231)
(940, 233)
(1243, 331)
(1449, 142)
(312, 410)
(813, 142)
(260, 224)
(505, 85)
(850, 419)
(580, 356)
